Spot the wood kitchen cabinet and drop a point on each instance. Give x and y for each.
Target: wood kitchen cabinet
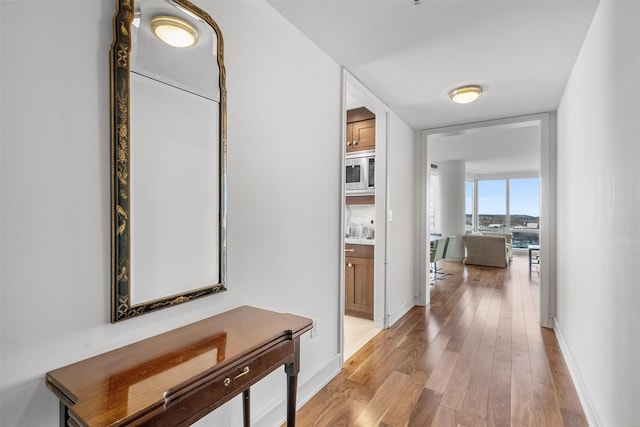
(359, 280)
(369, 199)
(361, 130)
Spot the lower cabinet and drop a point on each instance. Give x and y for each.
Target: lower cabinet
(358, 281)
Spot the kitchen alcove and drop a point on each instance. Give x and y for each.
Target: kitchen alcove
(363, 281)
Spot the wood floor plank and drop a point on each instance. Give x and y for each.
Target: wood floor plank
(499, 404)
(490, 331)
(565, 390)
(572, 419)
(344, 416)
(442, 372)
(459, 379)
(372, 382)
(425, 409)
(545, 406)
(503, 339)
(428, 359)
(476, 356)
(445, 417)
(521, 398)
(476, 397)
(387, 395)
(400, 412)
(333, 407)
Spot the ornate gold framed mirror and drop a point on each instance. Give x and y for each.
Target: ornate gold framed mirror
(169, 156)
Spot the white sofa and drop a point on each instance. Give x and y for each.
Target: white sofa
(489, 249)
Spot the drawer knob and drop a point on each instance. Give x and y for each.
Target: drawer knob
(355, 142)
(244, 371)
(349, 265)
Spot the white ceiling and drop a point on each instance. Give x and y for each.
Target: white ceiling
(491, 150)
(520, 51)
(411, 56)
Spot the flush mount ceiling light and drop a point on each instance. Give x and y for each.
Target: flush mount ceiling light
(465, 94)
(174, 31)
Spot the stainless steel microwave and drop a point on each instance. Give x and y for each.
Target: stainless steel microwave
(360, 173)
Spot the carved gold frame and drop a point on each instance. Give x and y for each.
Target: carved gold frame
(121, 307)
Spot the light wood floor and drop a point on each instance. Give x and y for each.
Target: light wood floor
(476, 356)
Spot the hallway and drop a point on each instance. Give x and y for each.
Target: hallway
(476, 356)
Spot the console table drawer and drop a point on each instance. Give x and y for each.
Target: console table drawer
(199, 397)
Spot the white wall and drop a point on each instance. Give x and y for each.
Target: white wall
(598, 296)
(402, 270)
(283, 234)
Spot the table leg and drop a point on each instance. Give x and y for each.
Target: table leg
(246, 408)
(64, 415)
(292, 370)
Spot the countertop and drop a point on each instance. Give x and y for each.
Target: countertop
(360, 241)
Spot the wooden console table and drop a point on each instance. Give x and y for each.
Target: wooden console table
(178, 377)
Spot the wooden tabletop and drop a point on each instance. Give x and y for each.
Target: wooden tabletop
(110, 388)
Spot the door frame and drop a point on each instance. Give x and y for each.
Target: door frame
(548, 220)
(380, 310)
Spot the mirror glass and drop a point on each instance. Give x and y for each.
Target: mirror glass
(169, 157)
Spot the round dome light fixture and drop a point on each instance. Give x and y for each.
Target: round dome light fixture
(465, 94)
(174, 31)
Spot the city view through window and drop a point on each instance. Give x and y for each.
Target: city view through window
(511, 206)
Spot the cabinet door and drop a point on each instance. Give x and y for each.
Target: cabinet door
(359, 287)
(363, 134)
(349, 137)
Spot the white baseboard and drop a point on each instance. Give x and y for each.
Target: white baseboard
(308, 386)
(585, 400)
(396, 314)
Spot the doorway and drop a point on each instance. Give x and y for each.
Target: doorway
(546, 125)
(363, 218)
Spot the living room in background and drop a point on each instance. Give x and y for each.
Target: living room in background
(502, 149)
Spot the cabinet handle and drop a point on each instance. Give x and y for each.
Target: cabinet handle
(227, 380)
(349, 265)
(355, 142)
(245, 371)
(349, 250)
(348, 143)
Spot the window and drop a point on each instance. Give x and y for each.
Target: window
(524, 211)
(433, 201)
(506, 206)
(492, 205)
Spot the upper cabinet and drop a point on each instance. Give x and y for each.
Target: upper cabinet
(361, 130)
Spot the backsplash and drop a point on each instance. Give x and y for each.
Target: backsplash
(357, 218)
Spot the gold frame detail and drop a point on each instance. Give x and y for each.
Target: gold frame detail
(121, 307)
